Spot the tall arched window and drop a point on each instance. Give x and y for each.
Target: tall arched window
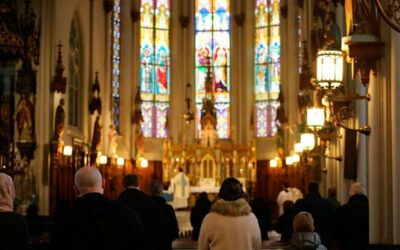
(212, 42)
(267, 66)
(154, 66)
(74, 74)
(116, 61)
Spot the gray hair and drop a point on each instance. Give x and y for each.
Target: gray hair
(357, 188)
(88, 178)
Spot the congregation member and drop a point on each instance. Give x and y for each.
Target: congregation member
(352, 220)
(95, 222)
(304, 236)
(284, 226)
(153, 220)
(321, 211)
(332, 198)
(199, 211)
(263, 215)
(13, 227)
(230, 223)
(156, 192)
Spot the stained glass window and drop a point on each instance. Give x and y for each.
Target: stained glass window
(74, 74)
(116, 61)
(212, 40)
(267, 66)
(154, 66)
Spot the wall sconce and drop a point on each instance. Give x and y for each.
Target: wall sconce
(103, 160)
(289, 160)
(307, 141)
(330, 76)
(330, 69)
(296, 158)
(144, 163)
(273, 163)
(67, 151)
(298, 148)
(315, 118)
(120, 161)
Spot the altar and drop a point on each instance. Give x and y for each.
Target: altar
(209, 160)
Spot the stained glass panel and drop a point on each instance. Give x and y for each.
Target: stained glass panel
(267, 66)
(155, 66)
(116, 60)
(212, 40)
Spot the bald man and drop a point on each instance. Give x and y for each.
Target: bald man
(94, 222)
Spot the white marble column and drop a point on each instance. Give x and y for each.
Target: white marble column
(375, 180)
(290, 86)
(395, 125)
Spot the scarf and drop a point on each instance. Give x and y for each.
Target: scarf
(7, 193)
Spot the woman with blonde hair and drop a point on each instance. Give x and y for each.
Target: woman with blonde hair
(304, 236)
(13, 227)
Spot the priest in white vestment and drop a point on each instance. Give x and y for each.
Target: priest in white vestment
(180, 188)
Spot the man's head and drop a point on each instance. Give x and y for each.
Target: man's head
(88, 180)
(357, 188)
(313, 187)
(285, 185)
(332, 192)
(131, 181)
(303, 222)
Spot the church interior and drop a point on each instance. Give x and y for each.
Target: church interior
(266, 91)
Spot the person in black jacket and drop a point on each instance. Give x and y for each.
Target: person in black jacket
(320, 209)
(352, 220)
(199, 211)
(262, 212)
(168, 211)
(154, 223)
(13, 227)
(94, 222)
(284, 226)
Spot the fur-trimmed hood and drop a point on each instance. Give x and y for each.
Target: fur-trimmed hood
(235, 208)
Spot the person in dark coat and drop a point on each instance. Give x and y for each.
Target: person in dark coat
(284, 226)
(95, 222)
(154, 223)
(168, 211)
(352, 220)
(199, 211)
(320, 209)
(34, 222)
(332, 198)
(261, 211)
(13, 228)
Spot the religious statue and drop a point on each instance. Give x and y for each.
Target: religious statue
(112, 143)
(333, 36)
(361, 17)
(208, 135)
(59, 121)
(25, 122)
(96, 139)
(180, 187)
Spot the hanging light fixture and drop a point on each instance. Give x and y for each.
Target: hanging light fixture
(315, 118)
(330, 69)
